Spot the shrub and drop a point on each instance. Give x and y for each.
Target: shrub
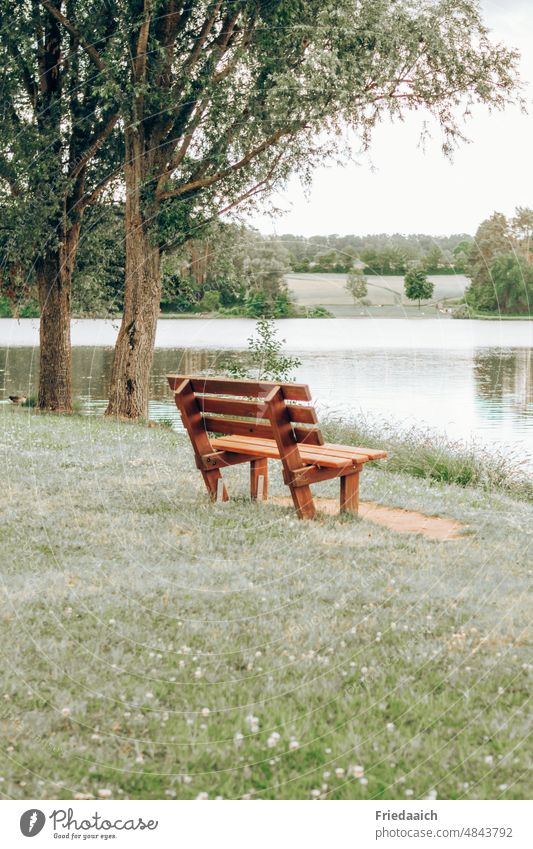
(210, 302)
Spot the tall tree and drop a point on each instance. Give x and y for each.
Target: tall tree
(522, 229)
(225, 98)
(57, 123)
(512, 279)
(493, 238)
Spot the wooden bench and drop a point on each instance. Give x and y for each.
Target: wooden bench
(246, 421)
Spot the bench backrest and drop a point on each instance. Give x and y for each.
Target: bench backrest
(247, 408)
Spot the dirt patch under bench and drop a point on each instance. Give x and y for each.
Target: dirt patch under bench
(402, 521)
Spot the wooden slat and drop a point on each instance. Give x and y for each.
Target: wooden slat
(330, 451)
(237, 426)
(232, 406)
(308, 435)
(252, 388)
(241, 427)
(302, 415)
(371, 453)
(268, 448)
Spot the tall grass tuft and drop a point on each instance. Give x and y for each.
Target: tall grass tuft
(424, 453)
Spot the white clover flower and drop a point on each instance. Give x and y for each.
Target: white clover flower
(363, 781)
(408, 792)
(432, 794)
(356, 770)
(293, 744)
(149, 695)
(202, 796)
(315, 793)
(104, 793)
(390, 726)
(198, 673)
(253, 723)
(186, 779)
(239, 737)
(326, 774)
(139, 759)
(65, 711)
(488, 759)
(339, 772)
(205, 711)
(273, 740)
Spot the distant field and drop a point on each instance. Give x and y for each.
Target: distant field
(384, 293)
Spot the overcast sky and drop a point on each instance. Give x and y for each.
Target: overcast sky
(408, 190)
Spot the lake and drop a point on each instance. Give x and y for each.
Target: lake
(469, 379)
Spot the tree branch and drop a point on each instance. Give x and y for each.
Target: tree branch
(88, 200)
(205, 182)
(139, 62)
(102, 134)
(29, 83)
(73, 30)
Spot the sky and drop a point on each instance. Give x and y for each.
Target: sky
(404, 189)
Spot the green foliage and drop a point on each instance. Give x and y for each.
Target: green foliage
(29, 309)
(356, 285)
(461, 254)
(265, 359)
(499, 265)
(433, 260)
(240, 271)
(210, 302)
(319, 312)
(380, 253)
(512, 278)
(5, 307)
(98, 280)
(417, 286)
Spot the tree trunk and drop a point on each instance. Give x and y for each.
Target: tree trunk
(55, 369)
(134, 349)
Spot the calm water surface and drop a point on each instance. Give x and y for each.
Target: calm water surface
(470, 379)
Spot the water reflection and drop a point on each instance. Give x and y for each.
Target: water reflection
(484, 393)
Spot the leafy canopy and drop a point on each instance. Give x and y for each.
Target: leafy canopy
(226, 98)
(417, 286)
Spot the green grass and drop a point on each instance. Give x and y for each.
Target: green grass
(130, 604)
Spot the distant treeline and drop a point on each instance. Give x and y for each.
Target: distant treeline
(234, 270)
(378, 254)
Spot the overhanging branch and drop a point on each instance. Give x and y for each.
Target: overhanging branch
(91, 51)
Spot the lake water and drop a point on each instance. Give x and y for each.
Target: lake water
(469, 379)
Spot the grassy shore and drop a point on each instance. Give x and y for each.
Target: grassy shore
(156, 646)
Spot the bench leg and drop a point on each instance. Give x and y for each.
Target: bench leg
(302, 498)
(350, 493)
(259, 479)
(215, 485)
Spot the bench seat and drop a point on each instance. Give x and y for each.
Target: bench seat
(327, 456)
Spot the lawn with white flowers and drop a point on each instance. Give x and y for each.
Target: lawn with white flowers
(157, 646)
